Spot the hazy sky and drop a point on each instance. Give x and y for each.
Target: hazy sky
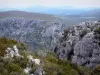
(30, 3)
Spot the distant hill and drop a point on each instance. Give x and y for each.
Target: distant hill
(57, 10)
(27, 15)
(91, 13)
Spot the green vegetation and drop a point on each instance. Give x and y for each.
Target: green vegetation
(97, 30)
(54, 66)
(97, 35)
(50, 64)
(83, 33)
(96, 70)
(65, 32)
(4, 43)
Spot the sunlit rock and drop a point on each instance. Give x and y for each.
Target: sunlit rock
(31, 59)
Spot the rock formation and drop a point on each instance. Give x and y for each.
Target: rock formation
(35, 33)
(80, 44)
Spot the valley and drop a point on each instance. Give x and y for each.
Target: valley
(57, 42)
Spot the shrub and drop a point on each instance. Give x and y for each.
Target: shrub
(13, 67)
(3, 71)
(34, 67)
(22, 46)
(66, 67)
(74, 72)
(83, 33)
(65, 32)
(54, 66)
(96, 70)
(97, 31)
(82, 69)
(51, 68)
(51, 65)
(4, 43)
(97, 35)
(22, 62)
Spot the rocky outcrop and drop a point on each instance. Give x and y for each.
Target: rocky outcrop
(31, 59)
(86, 52)
(35, 33)
(39, 71)
(80, 44)
(13, 53)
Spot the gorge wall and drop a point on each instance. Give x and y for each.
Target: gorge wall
(80, 44)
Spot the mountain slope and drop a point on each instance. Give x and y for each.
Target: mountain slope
(81, 44)
(27, 15)
(17, 60)
(35, 33)
(91, 13)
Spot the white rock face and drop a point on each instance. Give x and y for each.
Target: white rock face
(27, 70)
(81, 45)
(37, 61)
(16, 51)
(40, 30)
(11, 52)
(31, 59)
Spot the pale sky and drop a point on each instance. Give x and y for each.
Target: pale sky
(30, 3)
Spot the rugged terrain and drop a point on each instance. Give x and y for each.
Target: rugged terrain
(35, 29)
(35, 33)
(26, 15)
(80, 44)
(76, 49)
(16, 59)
